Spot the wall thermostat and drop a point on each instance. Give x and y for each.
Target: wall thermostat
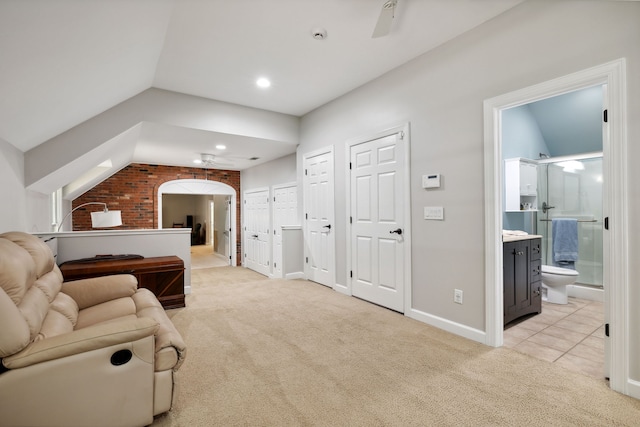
(431, 181)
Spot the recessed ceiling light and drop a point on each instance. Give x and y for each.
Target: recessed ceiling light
(263, 82)
(197, 161)
(221, 147)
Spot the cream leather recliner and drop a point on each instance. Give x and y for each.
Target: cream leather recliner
(92, 352)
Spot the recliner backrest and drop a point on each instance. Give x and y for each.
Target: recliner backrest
(30, 282)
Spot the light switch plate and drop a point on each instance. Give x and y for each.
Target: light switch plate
(434, 212)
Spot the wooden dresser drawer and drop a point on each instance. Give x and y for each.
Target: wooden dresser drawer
(164, 276)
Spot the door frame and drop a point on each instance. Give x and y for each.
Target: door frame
(305, 204)
(205, 188)
(615, 192)
(402, 129)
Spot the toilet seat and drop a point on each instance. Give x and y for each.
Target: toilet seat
(559, 271)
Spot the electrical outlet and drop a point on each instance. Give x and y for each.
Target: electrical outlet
(457, 296)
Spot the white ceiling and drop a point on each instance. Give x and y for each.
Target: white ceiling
(66, 61)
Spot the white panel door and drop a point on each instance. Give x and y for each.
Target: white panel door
(257, 243)
(319, 218)
(285, 212)
(378, 203)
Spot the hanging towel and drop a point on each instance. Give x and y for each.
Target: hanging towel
(564, 232)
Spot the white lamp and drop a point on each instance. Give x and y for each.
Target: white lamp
(103, 219)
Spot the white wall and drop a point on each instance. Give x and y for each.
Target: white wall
(441, 94)
(13, 209)
(279, 171)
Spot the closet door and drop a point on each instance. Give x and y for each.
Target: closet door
(257, 242)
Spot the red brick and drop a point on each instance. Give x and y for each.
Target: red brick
(134, 191)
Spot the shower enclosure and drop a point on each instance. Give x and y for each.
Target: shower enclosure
(571, 187)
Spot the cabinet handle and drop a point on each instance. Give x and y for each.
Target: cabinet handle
(518, 252)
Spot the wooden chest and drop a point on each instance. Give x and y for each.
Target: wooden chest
(164, 276)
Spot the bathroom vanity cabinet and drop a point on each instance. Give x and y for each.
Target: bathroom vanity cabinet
(522, 277)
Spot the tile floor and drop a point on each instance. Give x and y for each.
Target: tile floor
(569, 335)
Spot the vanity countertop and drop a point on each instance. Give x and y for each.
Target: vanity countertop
(516, 237)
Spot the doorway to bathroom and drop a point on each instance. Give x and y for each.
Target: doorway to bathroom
(614, 183)
(560, 140)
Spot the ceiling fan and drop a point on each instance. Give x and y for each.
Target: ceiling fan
(383, 26)
(211, 160)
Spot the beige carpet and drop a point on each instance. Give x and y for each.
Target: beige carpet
(203, 256)
(293, 353)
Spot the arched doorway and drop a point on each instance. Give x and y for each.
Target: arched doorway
(203, 187)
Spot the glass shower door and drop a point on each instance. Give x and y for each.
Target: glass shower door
(573, 189)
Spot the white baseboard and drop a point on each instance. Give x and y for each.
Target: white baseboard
(633, 388)
(447, 325)
(187, 290)
(342, 289)
(295, 275)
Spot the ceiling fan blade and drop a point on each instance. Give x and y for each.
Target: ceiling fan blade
(383, 26)
(222, 164)
(214, 161)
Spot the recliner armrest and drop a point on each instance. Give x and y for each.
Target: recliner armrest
(96, 290)
(82, 340)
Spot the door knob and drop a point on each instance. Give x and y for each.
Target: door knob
(397, 231)
(255, 236)
(327, 226)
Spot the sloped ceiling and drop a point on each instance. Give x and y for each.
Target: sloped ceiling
(571, 123)
(65, 62)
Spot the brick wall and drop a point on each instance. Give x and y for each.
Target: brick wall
(134, 191)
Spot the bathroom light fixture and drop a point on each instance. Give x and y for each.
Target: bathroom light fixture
(103, 219)
(221, 147)
(571, 165)
(263, 82)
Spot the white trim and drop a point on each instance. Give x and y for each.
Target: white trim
(404, 132)
(633, 388)
(343, 289)
(613, 74)
(293, 276)
(285, 185)
(202, 187)
(447, 325)
(332, 242)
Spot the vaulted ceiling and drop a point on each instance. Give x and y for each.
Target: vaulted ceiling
(64, 62)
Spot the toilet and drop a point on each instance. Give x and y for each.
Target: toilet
(555, 281)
